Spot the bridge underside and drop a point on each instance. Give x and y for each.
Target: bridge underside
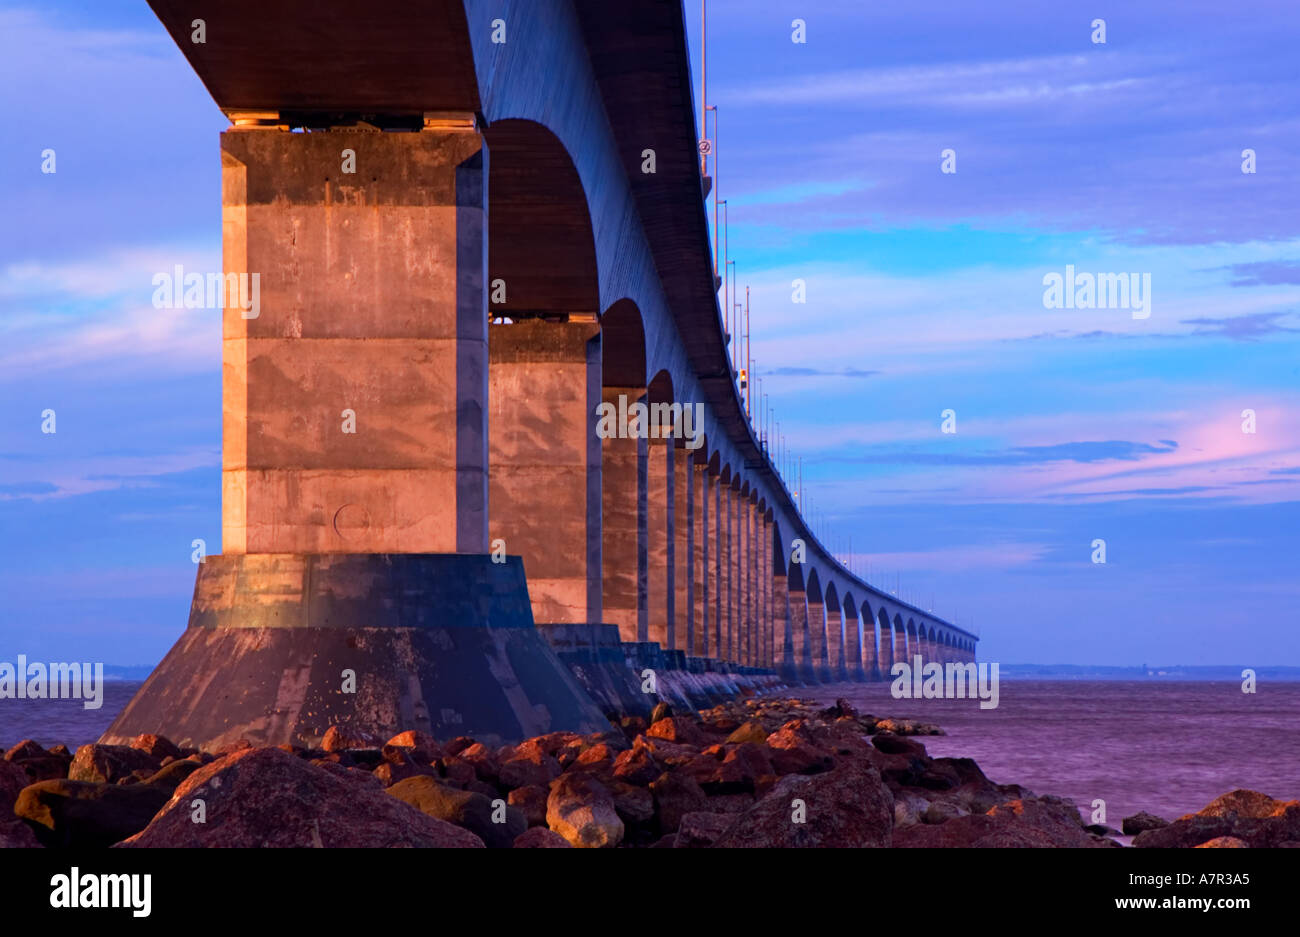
(381, 438)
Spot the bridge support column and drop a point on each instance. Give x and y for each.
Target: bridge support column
(835, 643)
(817, 640)
(684, 549)
(701, 498)
(765, 579)
(888, 654)
(659, 520)
(745, 594)
(729, 573)
(870, 649)
(853, 637)
(802, 650)
(355, 465)
(546, 374)
(785, 659)
(624, 558)
(719, 549)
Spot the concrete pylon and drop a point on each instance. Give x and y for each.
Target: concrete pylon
(355, 588)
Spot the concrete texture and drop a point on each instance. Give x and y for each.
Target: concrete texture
(440, 643)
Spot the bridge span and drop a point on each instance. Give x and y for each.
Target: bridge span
(474, 223)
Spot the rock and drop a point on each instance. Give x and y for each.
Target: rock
(529, 766)
(456, 769)
(632, 726)
(263, 797)
(170, 776)
(37, 763)
(1255, 818)
(486, 764)
(420, 747)
(636, 766)
(793, 751)
(88, 814)
(15, 834)
(665, 752)
(338, 739)
(677, 729)
(661, 711)
(840, 710)
(635, 805)
(1141, 822)
(581, 809)
(892, 744)
(1027, 822)
(539, 837)
(530, 800)
(12, 780)
(398, 766)
(466, 809)
(750, 731)
(109, 763)
(458, 745)
(156, 746)
(598, 758)
(848, 807)
(907, 727)
(1224, 842)
(675, 795)
(941, 811)
(701, 829)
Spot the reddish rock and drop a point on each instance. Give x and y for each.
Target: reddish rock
(419, 747)
(678, 729)
(892, 744)
(157, 746)
(849, 807)
(1224, 842)
(88, 814)
(1141, 822)
(458, 745)
(750, 731)
(793, 751)
(398, 766)
(264, 797)
(1256, 819)
(340, 738)
(632, 726)
(661, 711)
(456, 769)
(489, 818)
(486, 764)
(37, 763)
(665, 752)
(635, 805)
(539, 837)
(12, 780)
(529, 766)
(581, 809)
(600, 757)
(109, 763)
(1027, 822)
(530, 800)
(15, 834)
(636, 766)
(675, 795)
(701, 829)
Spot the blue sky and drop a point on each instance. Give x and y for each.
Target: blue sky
(924, 293)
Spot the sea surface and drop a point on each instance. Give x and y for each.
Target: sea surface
(1165, 747)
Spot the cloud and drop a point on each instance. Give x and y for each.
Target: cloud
(1264, 272)
(1241, 328)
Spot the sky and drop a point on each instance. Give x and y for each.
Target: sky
(924, 293)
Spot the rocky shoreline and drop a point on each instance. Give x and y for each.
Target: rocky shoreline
(759, 772)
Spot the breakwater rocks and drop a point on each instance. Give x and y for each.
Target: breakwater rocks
(759, 772)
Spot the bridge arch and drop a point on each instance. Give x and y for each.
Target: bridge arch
(853, 639)
(835, 634)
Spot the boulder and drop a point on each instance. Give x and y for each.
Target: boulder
(848, 807)
(1255, 818)
(110, 763)
(679, 729)
(539, 837)
(420, 747)
(88, 814)
(676, 794)
(702, 829)
(750, 731)
(466, 809)
(794, 752)
(661, 711)
(530, 800)
(1141, 822)
(636, 766)
(581, 809)
(1224, 842)
(37, 763)
(156, 746)
(529, 766)
(1026, 822)
(263, 797)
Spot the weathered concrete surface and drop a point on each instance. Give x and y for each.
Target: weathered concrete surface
(372, 311)
(440, 643)
(623, 526)
(544, 487)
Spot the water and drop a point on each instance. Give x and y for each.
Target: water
(1165, 747)
(51, 721)
(1168, 748)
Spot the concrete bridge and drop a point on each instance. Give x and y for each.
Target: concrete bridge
(475, 222)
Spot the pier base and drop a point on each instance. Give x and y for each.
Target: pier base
(282, 646)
